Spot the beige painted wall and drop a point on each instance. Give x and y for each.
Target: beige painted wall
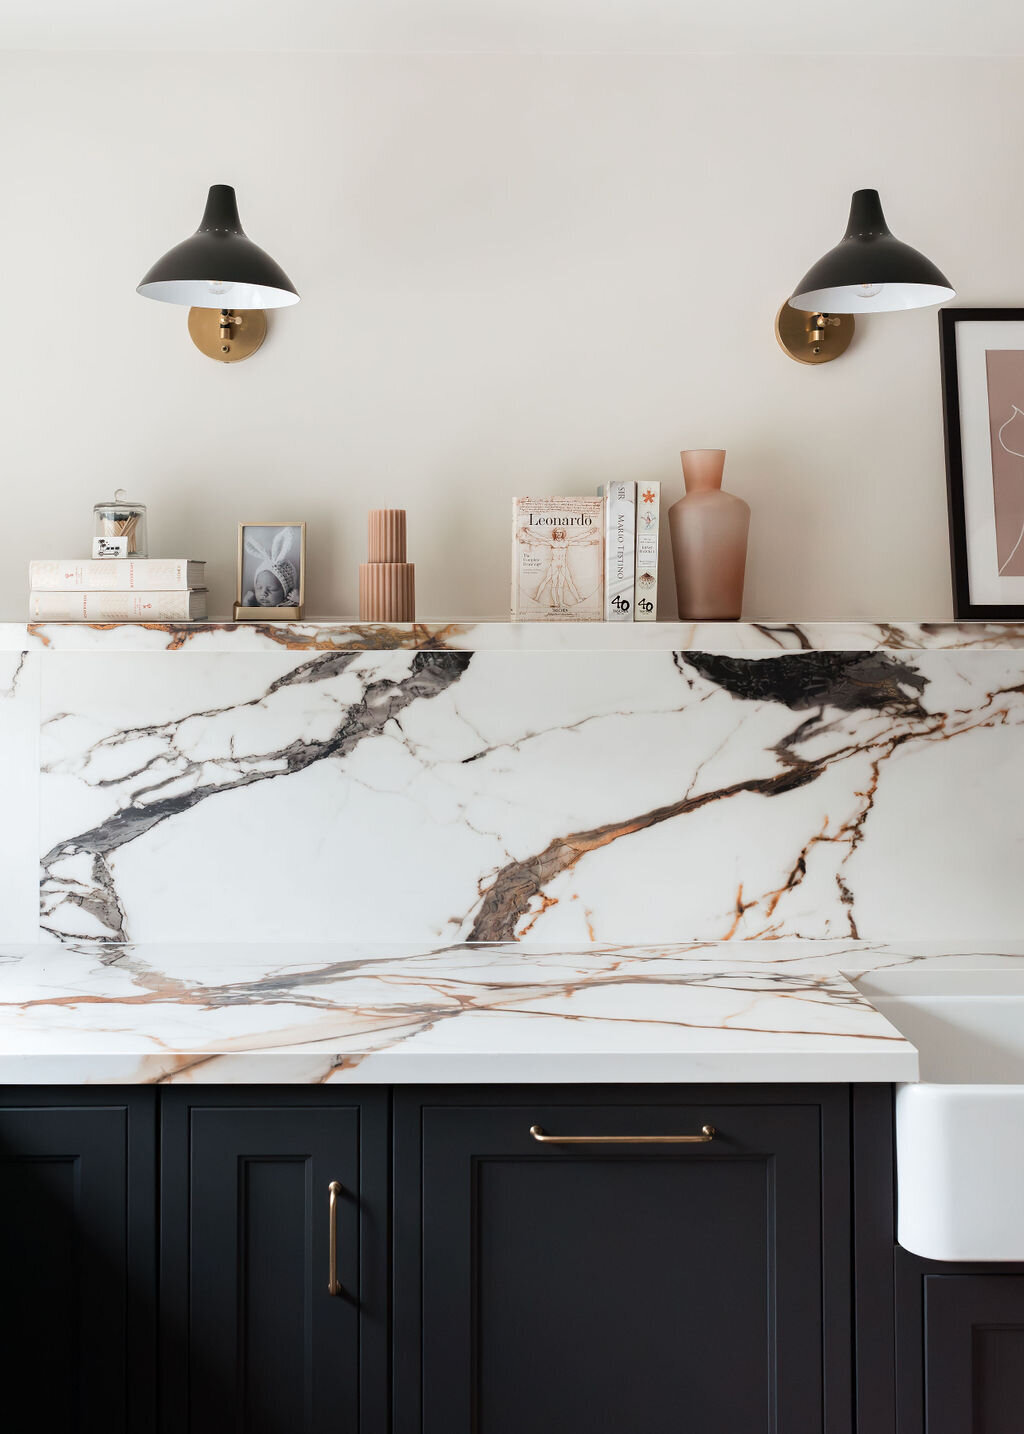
(519, 274)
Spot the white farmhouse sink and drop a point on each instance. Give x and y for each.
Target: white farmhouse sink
(960, 1132)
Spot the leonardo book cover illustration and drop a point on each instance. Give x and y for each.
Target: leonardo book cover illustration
(557, 559)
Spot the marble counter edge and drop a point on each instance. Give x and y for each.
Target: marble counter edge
(469, 1068)
(746, 637)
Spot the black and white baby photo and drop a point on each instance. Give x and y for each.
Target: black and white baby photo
(271, 565)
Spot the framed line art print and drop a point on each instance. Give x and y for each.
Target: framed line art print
(271, 577)
(983, 410)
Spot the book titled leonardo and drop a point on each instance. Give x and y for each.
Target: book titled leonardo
(557, 559)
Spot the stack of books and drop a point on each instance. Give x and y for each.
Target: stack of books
(116, 590)
(587, 559)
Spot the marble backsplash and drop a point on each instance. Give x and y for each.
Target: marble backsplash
(293, 793)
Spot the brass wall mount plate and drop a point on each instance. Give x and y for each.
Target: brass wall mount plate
(246, 330)
(807, 340)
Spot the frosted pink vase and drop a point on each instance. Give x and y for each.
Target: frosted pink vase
(709, 541)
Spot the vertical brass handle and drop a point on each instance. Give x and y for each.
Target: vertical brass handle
(333, 1283)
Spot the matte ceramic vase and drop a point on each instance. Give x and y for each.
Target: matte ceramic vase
(709, 541)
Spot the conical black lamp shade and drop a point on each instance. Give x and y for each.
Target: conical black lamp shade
(219, 267)
(869, 270)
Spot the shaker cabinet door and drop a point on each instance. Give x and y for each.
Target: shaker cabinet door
(76, 1330)
(974, 1354)
(274, 1223)
(598, 1286)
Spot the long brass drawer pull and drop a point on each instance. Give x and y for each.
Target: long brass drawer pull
(707, 1132)
(333, 1283)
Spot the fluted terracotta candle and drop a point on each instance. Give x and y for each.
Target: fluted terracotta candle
(387, 583)
(709, 540)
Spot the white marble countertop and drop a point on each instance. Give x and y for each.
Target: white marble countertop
(772, 1011)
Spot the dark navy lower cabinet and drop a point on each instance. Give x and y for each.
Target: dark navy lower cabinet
(974, 1353)
(273, 1290)
(77, 1267)
(522, 1260)
(960, 1347)
(605, 1281)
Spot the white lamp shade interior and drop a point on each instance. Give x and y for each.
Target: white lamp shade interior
(871, 298)
(217, 294)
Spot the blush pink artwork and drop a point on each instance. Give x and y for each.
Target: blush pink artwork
(1005, 371)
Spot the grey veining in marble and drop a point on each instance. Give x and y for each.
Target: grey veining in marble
(438, 795)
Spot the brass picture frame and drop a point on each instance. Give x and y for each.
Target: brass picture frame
(266, 543)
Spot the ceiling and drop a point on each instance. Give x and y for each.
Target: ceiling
(925, 27)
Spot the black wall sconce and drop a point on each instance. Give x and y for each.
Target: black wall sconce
(226, 279)
(869, 271)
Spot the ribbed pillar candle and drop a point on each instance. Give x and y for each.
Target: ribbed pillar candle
(387, 583)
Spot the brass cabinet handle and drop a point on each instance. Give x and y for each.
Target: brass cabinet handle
(539, 1133)
(333, 1283)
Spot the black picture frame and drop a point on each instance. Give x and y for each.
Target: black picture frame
(963, 608)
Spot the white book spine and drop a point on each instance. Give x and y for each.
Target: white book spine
(513, 609)
(115, 574)
(620, 550)
(648, 520)
(116, 606)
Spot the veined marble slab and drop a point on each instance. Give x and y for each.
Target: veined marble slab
(763, 1011)
(480, 636)
(439, 796)
(19, 786)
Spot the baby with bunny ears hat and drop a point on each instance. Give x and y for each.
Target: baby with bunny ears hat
(275, 582)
